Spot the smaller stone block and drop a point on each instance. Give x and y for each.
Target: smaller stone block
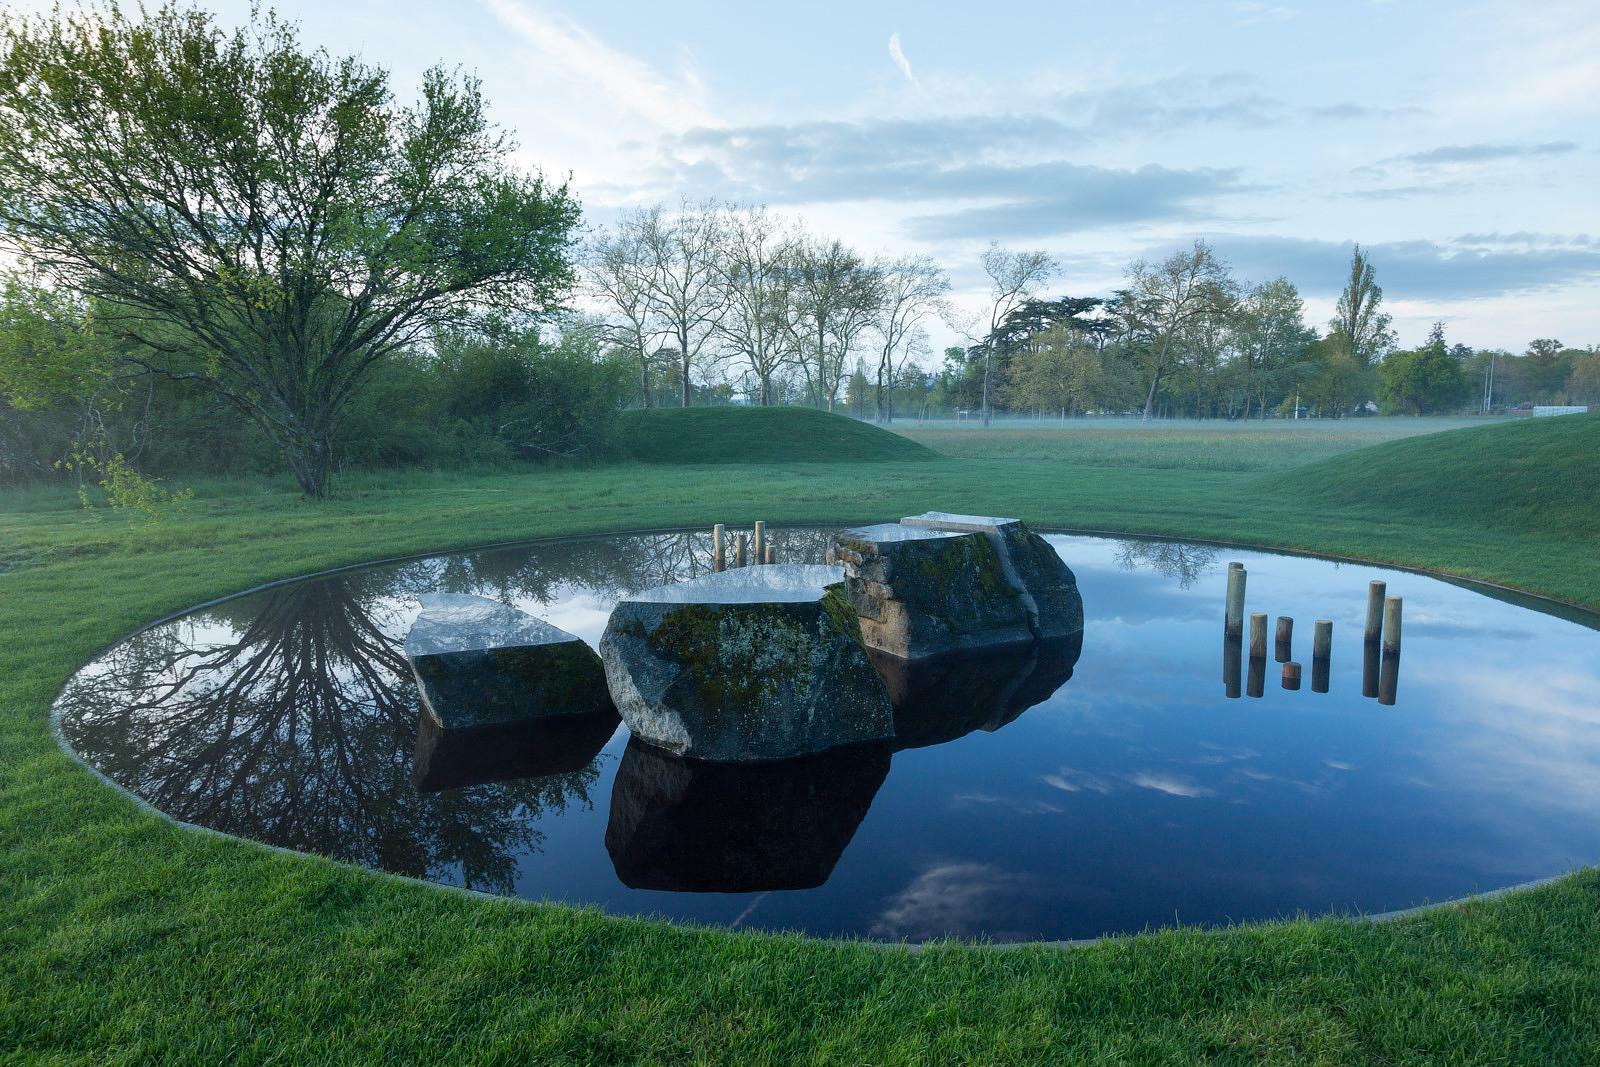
(481, 663)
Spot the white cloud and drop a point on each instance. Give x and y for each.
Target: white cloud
(898, 54)
(629, 84)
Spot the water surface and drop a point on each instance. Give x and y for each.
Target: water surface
(1027, 797)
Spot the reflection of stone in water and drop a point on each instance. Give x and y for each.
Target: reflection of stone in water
(941, 698)
(696, 827)
(455, 759)
(1183, 562)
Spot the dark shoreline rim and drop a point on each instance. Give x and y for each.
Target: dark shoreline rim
(1585, 616)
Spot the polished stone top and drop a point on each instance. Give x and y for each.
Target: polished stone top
(944, 520)
(777, 583)
(894, 531)
(461, 622)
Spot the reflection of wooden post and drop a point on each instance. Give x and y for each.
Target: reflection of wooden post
(1258, 634)
(1321, 639)
(1389, 676)
(771, 556)
(1285, 638)
(1234, 624)
(1375, 591)
(1291, 675)
(739, 558)
(1256, 683)
(1319, 676)
(1369, 668)
(761, 542)
(1231, 648)
(1391, 624)
(719, 560)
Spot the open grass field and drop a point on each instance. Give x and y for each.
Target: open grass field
(1247, 445)
(126, 939)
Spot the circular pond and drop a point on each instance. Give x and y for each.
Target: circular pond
(1026, 797)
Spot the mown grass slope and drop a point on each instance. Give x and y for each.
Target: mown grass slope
(1541, 474)
(127, 939)
(758, 435)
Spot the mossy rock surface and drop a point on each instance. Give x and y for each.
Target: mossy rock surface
(745, 680)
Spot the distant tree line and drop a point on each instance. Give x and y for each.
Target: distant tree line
(236, 254)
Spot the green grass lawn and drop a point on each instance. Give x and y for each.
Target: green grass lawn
(1247, 445)
(127, 939)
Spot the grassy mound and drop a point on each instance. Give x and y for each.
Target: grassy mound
(758, 435)
(1542, 475)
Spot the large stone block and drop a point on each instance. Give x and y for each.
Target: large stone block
(480, 663)
(923, 592)
(1049, 588)
(694, 827)
(758, 663)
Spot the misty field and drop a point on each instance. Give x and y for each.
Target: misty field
(1181, 444)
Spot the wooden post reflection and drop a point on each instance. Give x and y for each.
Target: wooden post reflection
(1369, 668)
(1232, 647)
(1256, 681)
(1389, 677)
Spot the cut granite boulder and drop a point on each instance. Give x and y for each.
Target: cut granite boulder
(480, 663)
(758, 663)
(1048, 587)
(694, 827)
(922, 592)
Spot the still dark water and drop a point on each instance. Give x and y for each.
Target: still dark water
(1132, 794)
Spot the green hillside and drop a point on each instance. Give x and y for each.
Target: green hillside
(758, 435)
(1539, 475)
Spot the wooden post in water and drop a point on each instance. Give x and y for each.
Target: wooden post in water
(1375, 592)
(739, 549)
(1321, 639)
(1319, 676)
(1258, 635)
(719, 559)
(1369, 668)
(1391, 624)
(761, 542)
(1291, 675)
(1234, 624)
(771, 556)
(1285, 638)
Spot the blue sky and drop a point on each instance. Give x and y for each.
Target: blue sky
(1459, 141)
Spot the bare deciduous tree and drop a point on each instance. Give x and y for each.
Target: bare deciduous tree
(685, 284)
(913, 287)
(753, 262)
(619, 265)
(1164, 300)
(1014, 278)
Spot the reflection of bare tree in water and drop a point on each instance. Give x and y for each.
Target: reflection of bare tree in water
(299, 731)
(290, 716)
(1183, 562)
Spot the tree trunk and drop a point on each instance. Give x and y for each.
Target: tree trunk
(1155, 382)
(644, 381)
(986, 387)
(683, 354)
(309, 457)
